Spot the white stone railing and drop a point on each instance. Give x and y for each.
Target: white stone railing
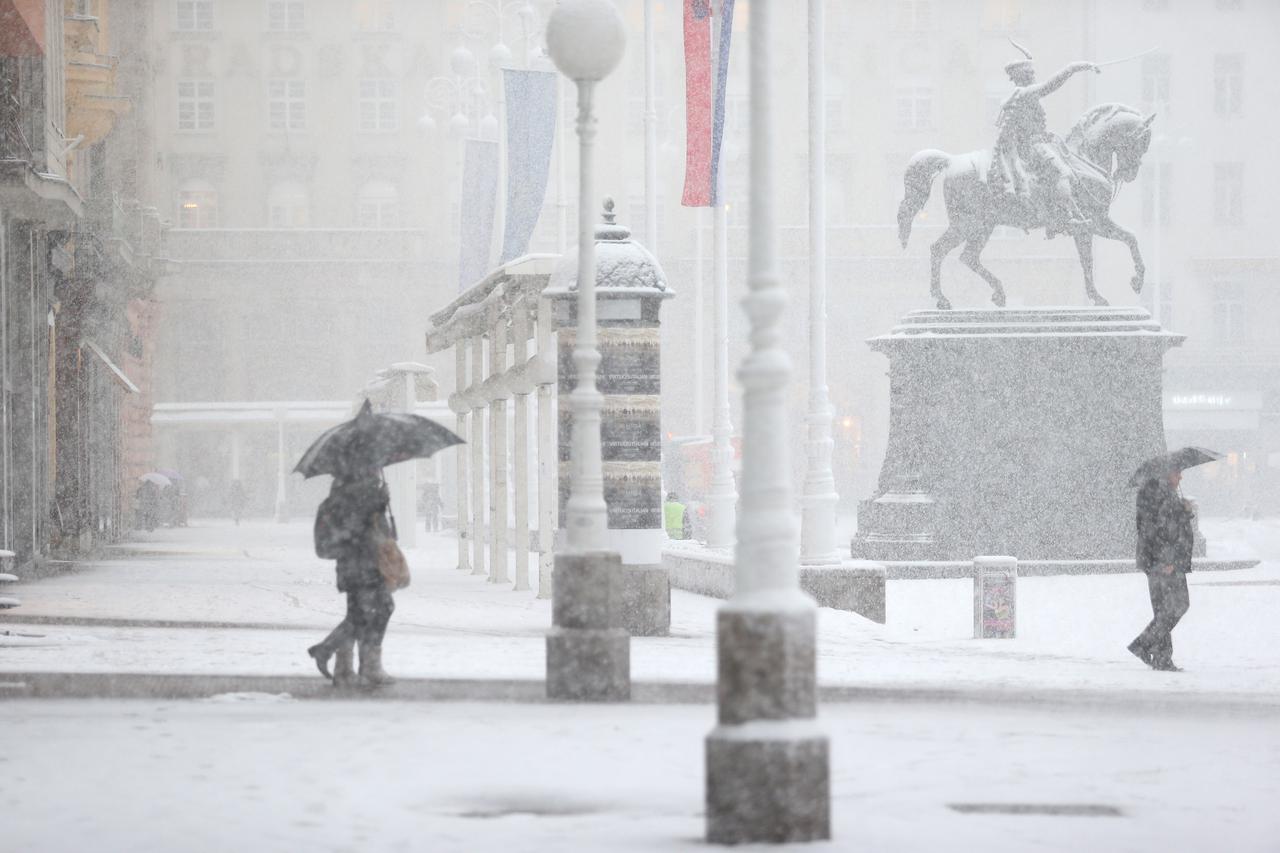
(508, 312)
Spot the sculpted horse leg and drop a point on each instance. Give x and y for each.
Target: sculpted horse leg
(1104, 227)
(971, 257)
(1084, 246)
(950, 238)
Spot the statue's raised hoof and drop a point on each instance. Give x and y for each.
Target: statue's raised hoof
(998, 298)
(944, 304)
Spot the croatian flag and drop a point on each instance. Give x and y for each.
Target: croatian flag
(704, 100)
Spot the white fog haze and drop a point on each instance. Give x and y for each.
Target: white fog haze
(639, 424)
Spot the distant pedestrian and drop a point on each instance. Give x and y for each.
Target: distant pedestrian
(350, 526)
(237, 499)
(675, 517)
(1165, 543)
(432, 504)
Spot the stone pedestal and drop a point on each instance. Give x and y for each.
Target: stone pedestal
(1015, 431)
(588, 654)
(768, 777)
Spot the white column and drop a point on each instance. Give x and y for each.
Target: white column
(498, 450)
(407, 517)
(282, 470)
(818, 514)
(548, 449)
(520, 444)
(459, 404)
(722, 499)
(767, 761)
(650, 136)
(237, 448)
(479, 508)
(587, 516)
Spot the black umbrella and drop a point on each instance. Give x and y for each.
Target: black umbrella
(374, 440)
(1175, 460)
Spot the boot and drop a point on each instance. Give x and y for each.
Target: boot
(371, 672)
(344, 673)
(320, 654)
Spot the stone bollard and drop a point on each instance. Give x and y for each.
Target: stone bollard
(995, 597)
(7, 602)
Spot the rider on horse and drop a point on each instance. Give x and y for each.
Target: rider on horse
(1025, 147)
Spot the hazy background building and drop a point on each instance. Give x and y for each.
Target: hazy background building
(309, 155)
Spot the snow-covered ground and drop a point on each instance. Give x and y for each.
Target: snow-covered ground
(1072, 630)
(267, 774)
(1187, 761)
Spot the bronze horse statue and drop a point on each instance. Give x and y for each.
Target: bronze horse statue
(1105, 149)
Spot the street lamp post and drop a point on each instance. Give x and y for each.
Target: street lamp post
(588, 655)
(818, 516)
(767, 767)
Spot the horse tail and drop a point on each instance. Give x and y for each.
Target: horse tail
(917, 180)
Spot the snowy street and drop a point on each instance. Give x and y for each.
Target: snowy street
(215, 598)
(272, 774)
(921, 717)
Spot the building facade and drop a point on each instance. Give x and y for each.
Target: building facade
(310, 223)
(79, 253)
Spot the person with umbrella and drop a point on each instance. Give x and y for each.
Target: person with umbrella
(1166, 538)
(354, 527)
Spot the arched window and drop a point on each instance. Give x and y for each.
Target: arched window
(197, 204)
(378, 206)
(288, 205)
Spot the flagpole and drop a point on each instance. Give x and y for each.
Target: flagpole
(722, 497)
(818, 505)
(650, 136)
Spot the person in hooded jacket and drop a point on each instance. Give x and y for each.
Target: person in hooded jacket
(1166, 539)
(349, 525)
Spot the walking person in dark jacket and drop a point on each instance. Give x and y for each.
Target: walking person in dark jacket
(348, 527)
(1165, 543)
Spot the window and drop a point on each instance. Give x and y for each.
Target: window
(287, 104)
(1230, 314)
(1155, 82)
(915, 107)
(378, 105)
(195, 105)
(915, 15)
(288, 205)
(1228, 84)
(375, 15)
(1002, 15)
(1157, 188)
(197, 205)
(86, 8)
(286, 16)
(378, 206)
(195, 15)
(1228, 193)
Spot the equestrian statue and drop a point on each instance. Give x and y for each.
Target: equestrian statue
(1033, 179)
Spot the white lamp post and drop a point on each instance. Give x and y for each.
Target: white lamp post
(588, 656)
(767, 767)
(818, 517)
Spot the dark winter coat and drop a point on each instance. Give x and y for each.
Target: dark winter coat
(1165, 528)
(345, 530)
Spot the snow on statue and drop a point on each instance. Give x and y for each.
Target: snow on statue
(1033, 179)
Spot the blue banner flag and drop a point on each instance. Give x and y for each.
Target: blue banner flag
(531, 131)
(479, 203)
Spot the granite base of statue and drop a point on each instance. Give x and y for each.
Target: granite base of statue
(1015, 431)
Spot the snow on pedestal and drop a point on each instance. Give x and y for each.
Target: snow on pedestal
(1015, 431)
